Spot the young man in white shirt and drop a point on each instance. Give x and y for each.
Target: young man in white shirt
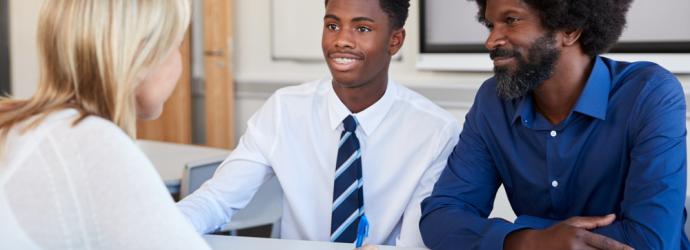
(334, 180)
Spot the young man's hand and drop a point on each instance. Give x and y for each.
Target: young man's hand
(569, 234)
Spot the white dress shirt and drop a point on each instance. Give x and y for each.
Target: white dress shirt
(405, 141)
(84, 187)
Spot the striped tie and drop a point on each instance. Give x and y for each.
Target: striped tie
(348, 198)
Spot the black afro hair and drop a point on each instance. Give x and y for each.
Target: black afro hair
(397, 11)
(601, 21)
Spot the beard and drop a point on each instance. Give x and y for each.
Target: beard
(529, 73)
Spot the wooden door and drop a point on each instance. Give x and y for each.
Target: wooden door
(219, 87)
(174, 124)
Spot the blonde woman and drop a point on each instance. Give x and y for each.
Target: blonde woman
(71, 176)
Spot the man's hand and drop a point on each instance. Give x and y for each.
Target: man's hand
(569, 234)
(590, 222)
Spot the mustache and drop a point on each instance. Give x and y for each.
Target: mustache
(497, 53)
(346, 51)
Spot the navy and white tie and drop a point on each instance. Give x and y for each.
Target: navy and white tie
(348, 198)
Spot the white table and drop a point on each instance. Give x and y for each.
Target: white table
(171, 158)
(234, 242)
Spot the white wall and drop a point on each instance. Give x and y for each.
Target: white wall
(23, 20)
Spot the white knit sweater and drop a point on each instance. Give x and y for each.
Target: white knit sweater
(84, 187)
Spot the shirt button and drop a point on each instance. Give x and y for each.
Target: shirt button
(554, 183)
(553, 133)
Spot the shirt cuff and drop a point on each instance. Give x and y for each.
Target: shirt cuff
(534, 222)
(494, 238)
(185, 211)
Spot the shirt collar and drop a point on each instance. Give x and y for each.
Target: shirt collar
(593, 101)
(369, 118)
(525, 110)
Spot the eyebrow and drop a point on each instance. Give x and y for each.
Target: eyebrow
(327, 16)
(363, 19)
(507, 12)
(356, 19)
(512, 12)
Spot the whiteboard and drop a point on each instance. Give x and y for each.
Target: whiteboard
(296, 29)
(452, 24)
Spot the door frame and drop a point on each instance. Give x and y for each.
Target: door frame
(219, 89)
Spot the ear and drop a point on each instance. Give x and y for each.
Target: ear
(571, 36)
(396, 41)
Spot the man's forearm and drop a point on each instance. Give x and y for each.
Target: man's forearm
(202, 213)
(448, 228)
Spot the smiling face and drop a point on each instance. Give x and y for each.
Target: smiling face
(513, 28)
(524, 53)
(358, 42)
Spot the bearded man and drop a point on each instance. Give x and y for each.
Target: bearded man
(591, 151)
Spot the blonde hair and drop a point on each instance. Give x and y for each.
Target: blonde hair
(93, 54)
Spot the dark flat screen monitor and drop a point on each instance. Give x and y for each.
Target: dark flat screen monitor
(5, 76)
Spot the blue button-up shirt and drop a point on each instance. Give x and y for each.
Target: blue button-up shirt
(620, 150)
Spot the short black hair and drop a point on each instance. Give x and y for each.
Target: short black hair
(601, 21)
(397, 11)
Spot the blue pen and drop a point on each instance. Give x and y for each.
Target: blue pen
(362, 231)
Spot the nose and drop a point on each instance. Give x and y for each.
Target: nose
(344, 39)
(496, 39)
